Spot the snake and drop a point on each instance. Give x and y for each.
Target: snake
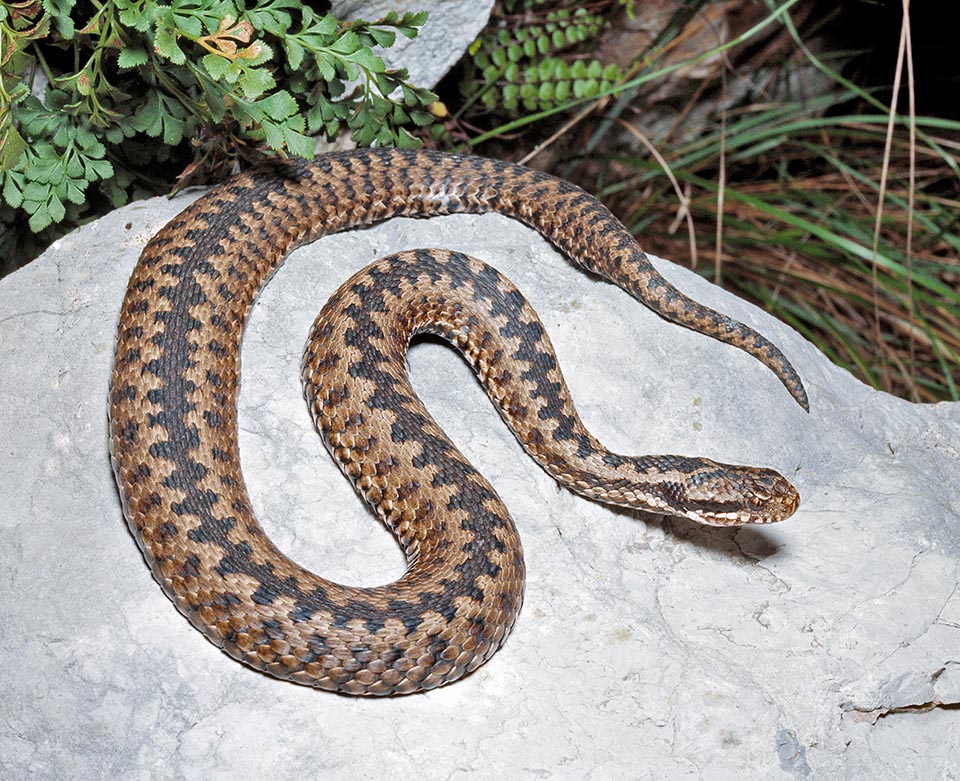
(174, 432)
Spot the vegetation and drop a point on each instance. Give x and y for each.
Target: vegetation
(833, 206)
(94, 95)
(516, 70)
(833, 210)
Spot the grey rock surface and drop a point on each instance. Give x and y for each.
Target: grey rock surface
(452, 25)
(827, 646)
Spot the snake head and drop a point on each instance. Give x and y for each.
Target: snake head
(737, 495)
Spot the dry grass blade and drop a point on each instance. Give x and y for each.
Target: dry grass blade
(834, 210)
(802, 237)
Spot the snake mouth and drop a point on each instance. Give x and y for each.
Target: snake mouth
(760, 496)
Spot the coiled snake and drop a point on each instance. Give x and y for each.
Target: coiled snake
(174, 420)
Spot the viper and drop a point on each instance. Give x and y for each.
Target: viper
(173, 414)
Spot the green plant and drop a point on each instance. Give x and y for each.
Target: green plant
(833, 210)
(798, 235)
(534, 60)
(88, 89)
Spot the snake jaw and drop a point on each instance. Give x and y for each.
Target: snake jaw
(745, 495)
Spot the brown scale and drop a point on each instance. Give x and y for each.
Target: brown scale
(174, 424)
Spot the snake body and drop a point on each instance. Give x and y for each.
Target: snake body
(173, 415)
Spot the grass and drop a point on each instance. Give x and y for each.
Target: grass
(837, 214)
(799, 235)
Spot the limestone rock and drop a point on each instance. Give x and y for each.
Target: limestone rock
(452, 25)
(826, 645)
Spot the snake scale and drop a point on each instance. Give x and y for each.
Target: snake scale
(173, 417)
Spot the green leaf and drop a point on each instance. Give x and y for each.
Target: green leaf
(148, 118)
(409, 96)
(273, 135)
(424, 118)
(159, 115)
(407, 141)
(326, 66)
(194, 17)
(216, 104)
(279, 105)
(74, 167)
(385, 136)
(12, 147)
(326, 113)
(294, 51)
(322, 28)
(298, 144)
(367, 59)
(129, 57)
(272, 16)
(173, 130)
(75, 194)
(55, 208)
(410, 21)
(256, 81)
(138, 14)
(13, 188)
(97, 169)
(364, 135)
(165, 41)
(39, 216)
(219, 67)
(36, 192)
(384, 38)
(399, 116)
(60, 10)
(426, 96)
(347, 43)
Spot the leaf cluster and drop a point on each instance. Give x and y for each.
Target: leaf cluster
(94, 95)
(531, 63)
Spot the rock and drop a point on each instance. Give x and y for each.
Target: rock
(452, 25)
(826, 645)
